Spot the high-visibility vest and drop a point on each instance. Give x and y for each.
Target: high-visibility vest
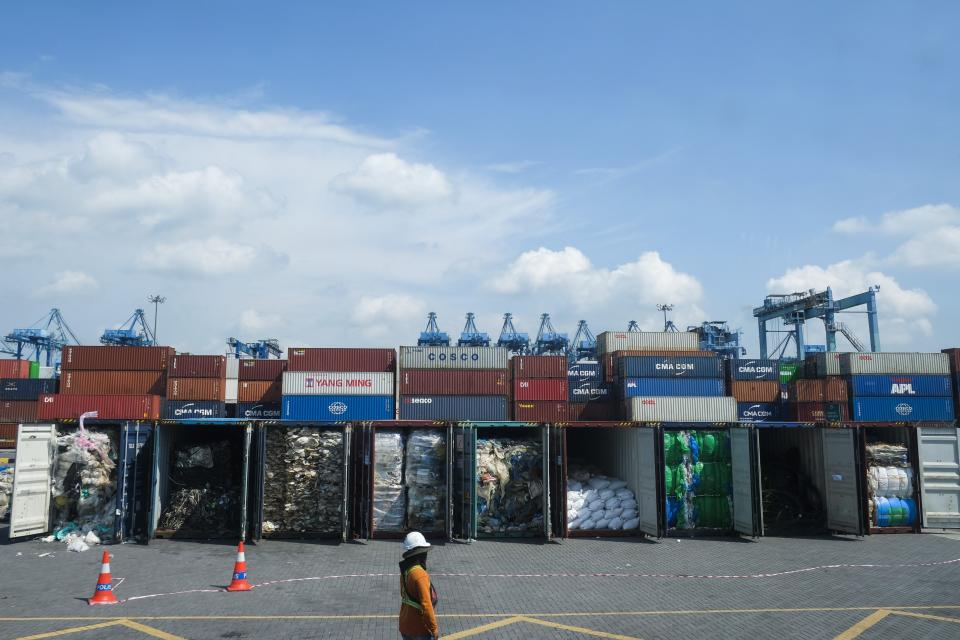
(405, 597)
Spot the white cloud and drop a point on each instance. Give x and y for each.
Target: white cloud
(67, 283)
(513, 167)
(214, 256)
(938, 247)
(393, 306)
(902, 311)
(905, 222)
(253, 320)
(387, 179)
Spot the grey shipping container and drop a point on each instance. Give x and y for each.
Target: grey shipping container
(860, 363)
(826, 364)
(609, 341)
(453, 358)
(233, 369)
(319, 383)
(476, 408)
(680, 409)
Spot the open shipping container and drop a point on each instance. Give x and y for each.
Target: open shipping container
(306, 466)
(403, 473)
(116, 506)
(890, 479)
(623, 453)
(939, 446)
(199, 481)
(502, 480)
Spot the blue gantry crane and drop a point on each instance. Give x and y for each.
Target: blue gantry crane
(584, 344)
(45, 337)
(470, 336)
(432, 336)
(134, 332)
(716, 335)
(633, 327)
(549, 341)
(511, 339)
(262, 349)
(794, 309)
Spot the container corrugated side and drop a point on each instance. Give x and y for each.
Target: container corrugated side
(261, 369)
(25, 388)
(19, 410)
(453, 382)
(590, 391)
(758, 370)
(868, 409)
(259, 391)
(585, 371)
(120, 383)
(476, 408)
(260, 410)
(539, 366)
(343, 360)
(890, 363)
(816, 411)
(193, 409)
(755, 391)
(609, 360)
(610, 341)
(191, 366)
(541, 389)
(693, 409)
(337, 408)
(8, 434)
(825, 364)
(14, 368)
(197, 389)
(590, 411)
(115, 358)
(758, 412)
(832, 389)
(109, 407)
(901, 385)
(789, 371)
(953, 355)
(540, 411)
(453, 358)
(669, 367)
(635, 387)
(321, 383)
(233, 368)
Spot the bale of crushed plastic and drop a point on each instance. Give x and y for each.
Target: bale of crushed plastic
(84, 485)
(509, 486)
(389, 493)
(424, 475)
(204, 500)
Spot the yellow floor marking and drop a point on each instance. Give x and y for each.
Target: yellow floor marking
(926, 616)
(150, 631)
(466, 633)
(863, 625)
(122, 622)
(584, 631)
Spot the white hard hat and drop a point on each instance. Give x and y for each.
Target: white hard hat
(414, 540)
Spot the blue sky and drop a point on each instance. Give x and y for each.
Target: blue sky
(327, 175)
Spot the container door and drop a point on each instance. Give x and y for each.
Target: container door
(649, 502)
(940, 476)
(448, 481)
(465, 482)
(743, 458)
(133, 479)
(259, 481)
(155, 470)
(546, 470)
(345, 520)
(558, 480)
(841, 479)
(32, 470)
(245, 494)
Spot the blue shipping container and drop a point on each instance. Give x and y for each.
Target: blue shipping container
(186, 409)
(754, 370)
(475, 408)
(584, 371)
(900, 385)
(259, 410)
(337, 408)
(25, 388)
(759, 412)
(670, 367)
(635, 387)
(589, 391)
(867, 409)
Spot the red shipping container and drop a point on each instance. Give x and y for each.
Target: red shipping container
(260, 391)
(116, 358)
(540, 389)
(540, 411)
(18, 411)
(592, 411)
(453, 382)
(108, 407)
(8, 433)
(814, 411)
(610, 359)
(188, 366)
(829, 389)
(262, 369)
(118, 383)
(196, 389)
(755, 391)
(954, 355)
(341, 360)
(539, 366)
(15, 369)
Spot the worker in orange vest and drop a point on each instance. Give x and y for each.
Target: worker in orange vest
(418, 621)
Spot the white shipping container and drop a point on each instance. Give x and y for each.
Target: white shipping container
(231, 389)
(610, 341)
(893, 363)
(233, 368)
(682, 409)
(828, 364)
(327, 383)
(453, 358)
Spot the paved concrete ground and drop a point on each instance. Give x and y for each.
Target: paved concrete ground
(499, 589)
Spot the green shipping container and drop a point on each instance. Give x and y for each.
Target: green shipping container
(34, 370)
(789, 371)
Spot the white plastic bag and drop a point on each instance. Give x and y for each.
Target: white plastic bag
(631, 524)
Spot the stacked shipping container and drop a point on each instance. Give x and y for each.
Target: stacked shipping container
(333, 385)
(755, 384)
(453, 383)
(686, 388)
(260, 389)
(19, 395)
(590, 397)
(196, 387)
(538, 388)
(899, 387)
(954, 356)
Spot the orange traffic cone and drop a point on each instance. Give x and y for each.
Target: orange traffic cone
(239, 582)
(104, 592)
